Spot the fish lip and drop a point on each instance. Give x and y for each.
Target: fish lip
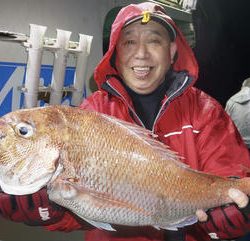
(13, 189)
(59, 169)
(23, 190)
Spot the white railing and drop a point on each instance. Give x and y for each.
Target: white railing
(36, 43)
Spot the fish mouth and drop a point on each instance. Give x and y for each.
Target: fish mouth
(15, 188)
(24, 190)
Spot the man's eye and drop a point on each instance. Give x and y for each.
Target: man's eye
(154, 41)
(129, 42)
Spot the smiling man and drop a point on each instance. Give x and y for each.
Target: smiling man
(144, 55)
(147, 77)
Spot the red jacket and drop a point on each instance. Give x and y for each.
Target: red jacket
(194, 125)
(190, 122)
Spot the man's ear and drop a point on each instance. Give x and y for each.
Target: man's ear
(173, 52)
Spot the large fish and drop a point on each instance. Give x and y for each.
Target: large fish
(105, 170)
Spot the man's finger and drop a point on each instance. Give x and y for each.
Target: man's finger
(239, 197)
(201, 215)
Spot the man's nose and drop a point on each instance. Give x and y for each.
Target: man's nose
(141, 51)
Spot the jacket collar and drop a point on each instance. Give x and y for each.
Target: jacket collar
(178, 83)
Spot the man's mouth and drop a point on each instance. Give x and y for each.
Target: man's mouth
(141, 71)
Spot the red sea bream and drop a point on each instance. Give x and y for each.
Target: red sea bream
(105, 170)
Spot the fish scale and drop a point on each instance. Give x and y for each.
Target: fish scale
(105, 170)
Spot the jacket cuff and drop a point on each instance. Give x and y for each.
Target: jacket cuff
(68, 223)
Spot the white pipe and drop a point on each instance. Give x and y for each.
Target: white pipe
(60, 62)
(188, 4)
(81, 68)
(35, 49)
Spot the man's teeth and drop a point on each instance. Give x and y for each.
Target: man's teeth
(141, 68)
(141, 71)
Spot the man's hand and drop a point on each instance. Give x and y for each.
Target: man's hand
(237, 196)
(34, 209)
(240, 198)
(227, 222)
(37, 210)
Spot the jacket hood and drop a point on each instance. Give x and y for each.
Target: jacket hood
(185, 58)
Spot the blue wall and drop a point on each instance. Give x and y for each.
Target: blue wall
(12, 76)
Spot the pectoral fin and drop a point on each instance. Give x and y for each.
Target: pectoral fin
(72, 189)
(80, 200)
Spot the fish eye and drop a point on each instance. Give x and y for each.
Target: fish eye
(24, 130)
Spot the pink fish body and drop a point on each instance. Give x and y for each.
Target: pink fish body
(105, 170)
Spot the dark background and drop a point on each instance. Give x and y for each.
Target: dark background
(222, 46)
(222, 35)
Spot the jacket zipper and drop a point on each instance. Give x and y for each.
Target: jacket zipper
(159, 112)
(130, 107)
(165, 103)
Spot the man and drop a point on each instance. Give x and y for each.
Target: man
(146, 77)
(238, 107)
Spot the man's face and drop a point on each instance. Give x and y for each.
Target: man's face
(144, 54)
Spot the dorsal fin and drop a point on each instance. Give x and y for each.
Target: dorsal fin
(149, 138)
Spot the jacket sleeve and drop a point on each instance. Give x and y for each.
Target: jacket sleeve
(228, 222)
(221, 149)
(222, 152)
(102, 102)
(97, 102)
(90, 103)
(68, 223)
